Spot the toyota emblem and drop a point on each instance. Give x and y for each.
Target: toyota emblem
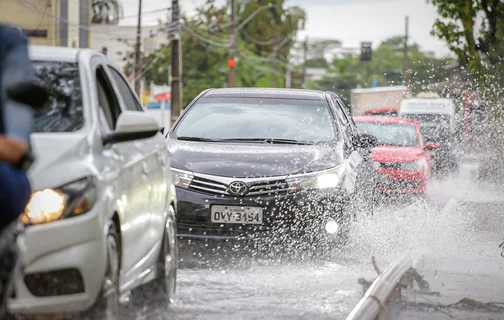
(237, 188)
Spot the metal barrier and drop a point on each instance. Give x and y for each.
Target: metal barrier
(375, 299)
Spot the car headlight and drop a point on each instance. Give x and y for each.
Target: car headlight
(317, 180)
(70, 200)
(413, 165)
(181, 178)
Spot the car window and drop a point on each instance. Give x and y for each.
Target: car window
(109, 104)
(339, 111)
(127, 94)
(391, 134)
(63, 112)
(252, 118)
(347, 126)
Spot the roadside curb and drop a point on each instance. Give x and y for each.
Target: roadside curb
(376, 297)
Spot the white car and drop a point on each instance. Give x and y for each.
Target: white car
(101, 220)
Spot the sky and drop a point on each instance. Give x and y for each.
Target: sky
(350, 21)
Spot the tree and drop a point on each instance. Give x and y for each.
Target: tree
(206, 40)
(477, 47)
(346, 72)
(106, 11)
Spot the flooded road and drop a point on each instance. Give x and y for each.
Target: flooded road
(458, 227)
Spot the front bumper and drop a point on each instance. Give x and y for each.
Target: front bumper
(401, 181)
(64, 263)
(292, 214)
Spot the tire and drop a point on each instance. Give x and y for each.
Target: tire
(160, 292)
(106, 306)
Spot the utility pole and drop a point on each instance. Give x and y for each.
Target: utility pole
(138, 65)
(305, 61)
(405, 63)
(288, 76)
(274, 63)
(176, 63)
(234, 44)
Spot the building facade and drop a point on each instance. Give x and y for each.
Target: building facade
(63, 23)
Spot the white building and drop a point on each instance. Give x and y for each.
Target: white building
(120, 40)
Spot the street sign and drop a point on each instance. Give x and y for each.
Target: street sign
(366, 51)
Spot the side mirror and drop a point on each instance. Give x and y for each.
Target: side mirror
(431, 145)
(364, 140)
(132, 125)
(162, 130)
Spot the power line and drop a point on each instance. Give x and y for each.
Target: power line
(146, 13)
(80, 26)
(258, 42)
(201, 38)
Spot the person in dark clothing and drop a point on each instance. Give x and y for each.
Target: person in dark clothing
(15, 188)
(19, 94)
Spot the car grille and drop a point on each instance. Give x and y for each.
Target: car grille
(255, 188)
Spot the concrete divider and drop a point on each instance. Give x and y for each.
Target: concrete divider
(376, 297)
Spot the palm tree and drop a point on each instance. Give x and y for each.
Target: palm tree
(106, 11)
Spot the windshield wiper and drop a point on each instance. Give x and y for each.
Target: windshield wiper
(269, 140)
(198, 139)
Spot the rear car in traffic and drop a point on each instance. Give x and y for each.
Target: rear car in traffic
(403, 162)
(438, 124)
(272, 164)
(101, 220)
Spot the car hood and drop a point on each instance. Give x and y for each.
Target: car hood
(60, 158)
(251, 159)
(395, 154)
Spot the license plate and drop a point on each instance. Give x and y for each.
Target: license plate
(236, 214)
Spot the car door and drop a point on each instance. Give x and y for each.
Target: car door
(134, 213)
(155, 161)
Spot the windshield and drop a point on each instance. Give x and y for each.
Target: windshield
(63, 111)
(428, 118)
(248, 118)
(391, 134)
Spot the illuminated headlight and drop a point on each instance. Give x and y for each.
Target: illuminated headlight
(317, 180)
(181, 178)
(70, 200)
(413, 165)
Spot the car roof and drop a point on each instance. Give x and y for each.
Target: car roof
(384, 109)
(426, 100)
(298, 94)
(61, 54)
(380, 119)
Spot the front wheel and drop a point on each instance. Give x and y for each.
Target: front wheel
(106, 306)
(161, 291)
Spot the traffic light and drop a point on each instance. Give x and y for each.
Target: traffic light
(366, 51)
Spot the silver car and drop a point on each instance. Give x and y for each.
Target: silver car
(100, 224)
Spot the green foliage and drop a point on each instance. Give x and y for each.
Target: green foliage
(478, 47)
(206, 39)
(347, 72)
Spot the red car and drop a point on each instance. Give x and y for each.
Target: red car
(403, 161)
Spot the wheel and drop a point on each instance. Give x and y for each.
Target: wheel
(106, 306)
(161, 291)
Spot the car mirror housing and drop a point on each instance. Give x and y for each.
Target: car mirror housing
(132, 125)
(431, 145)
(364, 140)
